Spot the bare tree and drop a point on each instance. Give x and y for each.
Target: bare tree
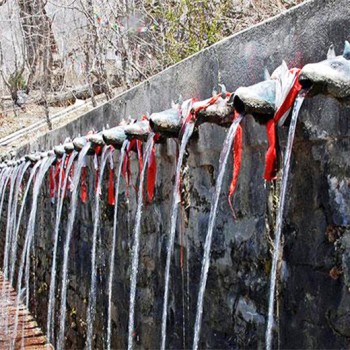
(76, 49)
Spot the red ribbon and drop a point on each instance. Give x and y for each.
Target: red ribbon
(237, 161)
(98, 150)
(271, 164)
(111, 190)
(152, 170)
(136, 146)
(192, 114)
(83, 186)
(57, 172)
(52, 183)
(271, 167)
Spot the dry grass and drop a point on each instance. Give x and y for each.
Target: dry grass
(240, 15)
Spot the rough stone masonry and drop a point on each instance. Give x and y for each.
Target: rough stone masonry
(314, 298)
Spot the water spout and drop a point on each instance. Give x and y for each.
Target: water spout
(136, 243)
(62, 186)
(14, 242)
(213, 211)
(25, 258)
(115, 136)
(18, 223)
(92, 295)
(139, 130)
(111, 265)
(297, 105)
(71, 219)
(175, 205)
(10, 212)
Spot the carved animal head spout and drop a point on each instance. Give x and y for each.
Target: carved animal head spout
(79, 143)
(139, 130)
(329, 77)
(168, 122)
(212, 110)
(267, 99)
(33, 157)
(116, 136)
(59, 151)
(68, 147)
(257, 100)
(96, 139)
(216, 110)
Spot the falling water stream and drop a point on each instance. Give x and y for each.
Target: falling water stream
(5, 181)
(136, 243)
(18, 222)
(91, 311)
(297, 105)
(2, 174)
(25, 258)
(10, 212)
(44, 167)
(13, 223)
(213, 210)
(111, 264)
(4, 291)
(71, 218)
(61, 191)
(175, 205)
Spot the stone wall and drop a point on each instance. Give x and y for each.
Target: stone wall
(314, 308)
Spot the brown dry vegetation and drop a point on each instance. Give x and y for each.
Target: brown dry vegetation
(173, 30)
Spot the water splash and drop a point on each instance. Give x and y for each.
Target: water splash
(189, 127)
(213, 210)
(297, 105)
(136, 245)
(111, 264)
(71, 218)
(92, 295)
(62, 186)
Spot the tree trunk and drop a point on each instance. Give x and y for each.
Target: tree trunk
(39, 40)
(68, 98)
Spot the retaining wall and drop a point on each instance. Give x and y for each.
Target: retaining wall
(314, 309)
